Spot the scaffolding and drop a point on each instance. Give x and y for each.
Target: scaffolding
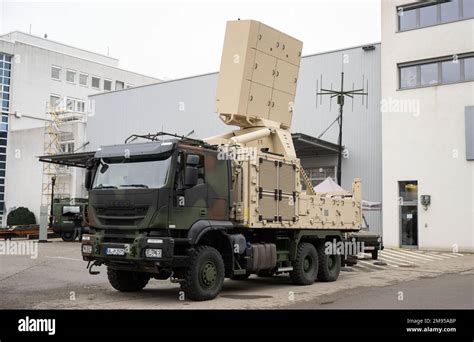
(58, 115)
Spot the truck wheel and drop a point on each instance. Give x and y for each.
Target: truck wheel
(329, 265)
(205, 274)
(68, 236)
(375, 254)
(127, 281)
(305, 267)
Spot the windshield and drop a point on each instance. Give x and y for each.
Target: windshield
(132, 174)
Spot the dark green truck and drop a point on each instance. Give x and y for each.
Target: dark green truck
(163, 209)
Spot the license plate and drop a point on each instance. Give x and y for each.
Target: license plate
(115, 251)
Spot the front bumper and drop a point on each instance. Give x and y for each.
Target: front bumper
(130, 254)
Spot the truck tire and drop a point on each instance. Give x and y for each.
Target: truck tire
(329, 265)
(68, 236)
(127, 281)
(204, 276)
(305, 267)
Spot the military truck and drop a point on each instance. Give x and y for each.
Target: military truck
(198, 211)
(68, 218)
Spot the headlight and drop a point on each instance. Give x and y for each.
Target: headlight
(87, 249)
(86, 237)
(154, 241)
(153, 253)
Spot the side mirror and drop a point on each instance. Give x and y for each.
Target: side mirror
(88, 179)
(190, 176)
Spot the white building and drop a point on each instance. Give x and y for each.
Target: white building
(34, 72)
(428, 124)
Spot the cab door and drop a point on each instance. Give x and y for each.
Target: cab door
(189, 203)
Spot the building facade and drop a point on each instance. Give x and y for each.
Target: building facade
(427, 124)
(34, 74)
(186, 105)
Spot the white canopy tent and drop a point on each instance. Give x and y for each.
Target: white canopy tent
(331, 187)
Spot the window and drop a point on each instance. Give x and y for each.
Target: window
(55, 73)
(70, 105)
(119, 85)
(469, 68)
(75, 105)
(424, 13)
(53, 99)
(5, 76)
(450, 71)
(83, 78)
(67, 147)
(80, 106)
(429, 74)
(408, 77)
(428, 15)
(468, 9)
(70, 76)
(443, 70)
(95, 82)
(407, 19)
(450, 11)
(108, 85)
(319, 174)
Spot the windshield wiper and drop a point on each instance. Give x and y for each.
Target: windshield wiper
(135, 185)
(105, 187)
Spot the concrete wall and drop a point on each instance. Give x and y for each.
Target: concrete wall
(188, 104)
(429, 146)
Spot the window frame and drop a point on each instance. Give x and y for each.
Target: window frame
(111, 84)
(92, 82)
(87, 79)
(439, 21)
(122, 82)
(439, 61)
(53, 95)
(76, 106)
(51, 72)
(75, 74)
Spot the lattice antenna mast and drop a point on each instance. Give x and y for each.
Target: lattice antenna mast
(340, 95)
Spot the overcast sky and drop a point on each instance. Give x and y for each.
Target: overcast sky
(173, 39)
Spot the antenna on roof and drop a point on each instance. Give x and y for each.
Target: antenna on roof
(340, 95)
(45, 36)
(30, 28)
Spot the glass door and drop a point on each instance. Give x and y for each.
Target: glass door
(408, 202)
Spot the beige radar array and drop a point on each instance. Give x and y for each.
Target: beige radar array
(256, 92)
